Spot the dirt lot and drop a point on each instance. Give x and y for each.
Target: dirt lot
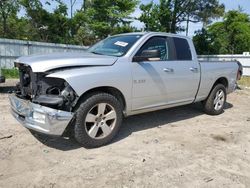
(180, 147)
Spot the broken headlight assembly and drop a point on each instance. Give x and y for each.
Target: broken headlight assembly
(47, 91)
(55, 93)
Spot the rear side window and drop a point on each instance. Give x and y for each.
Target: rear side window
(182, 48)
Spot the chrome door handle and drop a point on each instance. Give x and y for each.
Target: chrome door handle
(168, 70)
(193, 69)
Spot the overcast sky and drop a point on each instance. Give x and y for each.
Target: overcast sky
(229, 4)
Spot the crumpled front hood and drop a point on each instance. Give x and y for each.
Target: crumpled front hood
(42, 63)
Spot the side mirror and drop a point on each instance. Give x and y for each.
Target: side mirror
(148, 55)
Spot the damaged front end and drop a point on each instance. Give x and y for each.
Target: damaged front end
(42, 103)
(40, 89)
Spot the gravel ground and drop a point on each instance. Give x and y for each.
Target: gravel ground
(178, 147)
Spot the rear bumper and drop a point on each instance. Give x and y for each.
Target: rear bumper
(39, 118)
(2, 79)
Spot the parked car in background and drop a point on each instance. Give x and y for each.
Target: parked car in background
(123, 75)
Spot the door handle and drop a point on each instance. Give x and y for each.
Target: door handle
(193, 69)
(168, 70)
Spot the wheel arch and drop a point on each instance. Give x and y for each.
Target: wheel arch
(106, 89)
(221, 80)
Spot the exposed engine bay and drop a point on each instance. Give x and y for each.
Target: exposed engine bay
(38, 88)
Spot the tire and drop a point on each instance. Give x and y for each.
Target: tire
(216, 100)
(98, 120)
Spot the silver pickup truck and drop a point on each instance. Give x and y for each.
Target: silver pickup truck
(89, 93)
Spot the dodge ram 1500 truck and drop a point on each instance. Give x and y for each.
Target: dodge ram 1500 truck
(122, 75)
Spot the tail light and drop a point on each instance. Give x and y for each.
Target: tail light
(240, 71)
(239, 75)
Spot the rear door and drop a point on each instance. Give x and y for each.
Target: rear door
(182, 71)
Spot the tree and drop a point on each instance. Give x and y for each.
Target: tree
(8, 10)
(44, 25)
(105, 16)
(207, 10)
(204, 11)
(165, 16)
(169, 15)
(72, 4)
(150, 17)
(231, 36)
(203, 43)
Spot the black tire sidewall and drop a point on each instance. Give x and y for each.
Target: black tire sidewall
(209, 103)
(80, 132)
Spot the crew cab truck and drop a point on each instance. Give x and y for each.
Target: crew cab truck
(120, 76)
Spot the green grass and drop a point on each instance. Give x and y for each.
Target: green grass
(10, 73)
(244, 81)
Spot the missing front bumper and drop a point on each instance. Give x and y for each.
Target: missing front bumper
(39, 118)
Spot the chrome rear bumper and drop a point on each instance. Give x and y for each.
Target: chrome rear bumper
(39, 118)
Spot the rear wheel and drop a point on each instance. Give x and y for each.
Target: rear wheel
(98, 120)
(216, 100)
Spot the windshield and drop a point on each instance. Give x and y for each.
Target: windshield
(115, 45)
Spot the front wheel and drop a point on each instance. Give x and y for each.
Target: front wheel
(98, 120)
(216, 100)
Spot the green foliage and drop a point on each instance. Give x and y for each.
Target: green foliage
(105, 17)
(8, 15)
(231, 36)
(202, 42)
(150, 17)
(101, 18)
(169, 15)
(10, 73)
(207, 10)
(46, 26)
(95, 20)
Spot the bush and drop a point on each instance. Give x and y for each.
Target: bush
(10, 73)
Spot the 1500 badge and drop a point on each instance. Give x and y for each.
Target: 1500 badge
(139, 81)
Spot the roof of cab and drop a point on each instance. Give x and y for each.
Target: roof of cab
(153, 33)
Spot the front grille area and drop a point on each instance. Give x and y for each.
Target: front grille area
(40, 89)
(28, 86)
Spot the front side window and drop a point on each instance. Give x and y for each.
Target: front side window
(155, 43)
(115, 45)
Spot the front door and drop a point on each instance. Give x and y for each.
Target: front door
(149, 88)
